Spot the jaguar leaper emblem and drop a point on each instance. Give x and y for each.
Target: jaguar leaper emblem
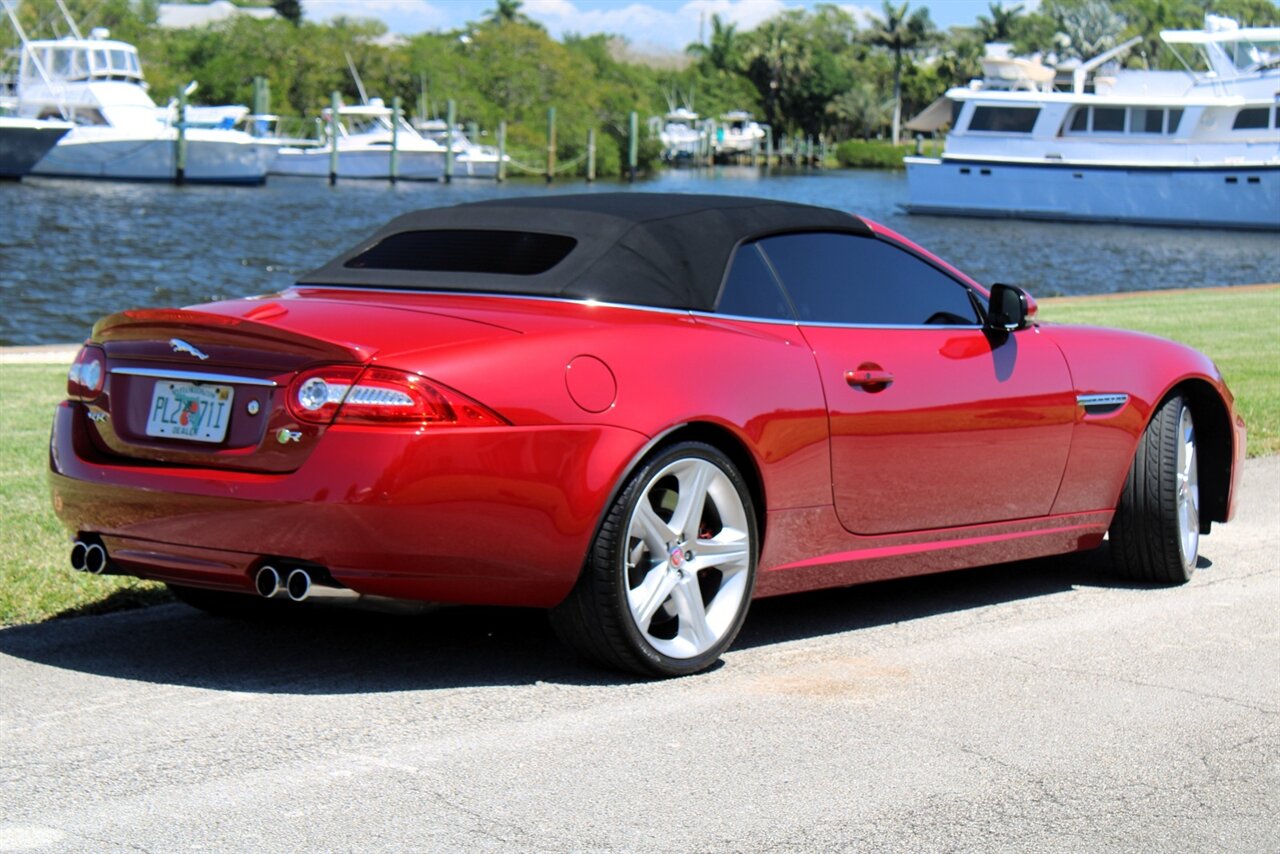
(180, 346)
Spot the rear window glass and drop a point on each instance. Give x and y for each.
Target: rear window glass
(512, 253)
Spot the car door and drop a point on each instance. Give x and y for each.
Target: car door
(935, 421)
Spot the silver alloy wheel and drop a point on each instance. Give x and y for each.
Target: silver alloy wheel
(688, 558)
(1188, 490)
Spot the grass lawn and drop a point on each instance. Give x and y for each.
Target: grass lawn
(1238, 328)
(36, 581)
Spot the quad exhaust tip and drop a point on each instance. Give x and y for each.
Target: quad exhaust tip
(267, 582)
(88, 557)
(299, 585)
(79, 551)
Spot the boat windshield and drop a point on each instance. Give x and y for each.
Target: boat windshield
(1254, 55)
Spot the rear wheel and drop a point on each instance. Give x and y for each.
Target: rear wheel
(1155, 535)
(669, 578)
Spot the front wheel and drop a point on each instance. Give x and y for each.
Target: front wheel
(670, 575)
(1155, 535)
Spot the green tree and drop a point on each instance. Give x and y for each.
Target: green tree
(290, 10)
(724, 51)
(861, 111)
(900, 32)
(1003, 22)
(508, 12)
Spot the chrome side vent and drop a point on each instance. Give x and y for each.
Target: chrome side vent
(1102, 404)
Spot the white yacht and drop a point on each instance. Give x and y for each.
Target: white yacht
(97, 85)
(470, 159)
(24, 141)
(364, 141)
(1196, 147)
(680, 135)
(738, 133)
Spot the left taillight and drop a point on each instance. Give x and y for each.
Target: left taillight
(346, 395)
(88, 374)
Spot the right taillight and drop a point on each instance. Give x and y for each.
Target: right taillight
(347, 395)
(88, 374)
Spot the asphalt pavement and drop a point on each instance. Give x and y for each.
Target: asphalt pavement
(1038, 706)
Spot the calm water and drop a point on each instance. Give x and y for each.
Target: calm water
(72, 251)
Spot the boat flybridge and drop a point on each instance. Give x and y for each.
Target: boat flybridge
(96, 83)
(1194, 147)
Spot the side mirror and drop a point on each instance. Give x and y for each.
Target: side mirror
(1010, 309)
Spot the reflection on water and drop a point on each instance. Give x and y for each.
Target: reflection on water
(72, 251)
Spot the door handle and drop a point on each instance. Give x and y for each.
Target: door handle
(869, 380)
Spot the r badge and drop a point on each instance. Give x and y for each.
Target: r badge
(285, 436)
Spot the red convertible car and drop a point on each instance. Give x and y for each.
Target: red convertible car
(640, 411)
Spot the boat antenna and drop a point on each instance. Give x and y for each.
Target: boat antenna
(364, 98)
(71, 22)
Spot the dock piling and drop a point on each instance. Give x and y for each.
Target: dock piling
(551, 144)
(334, 105)
(451, 118)
(633, 145)
(395, 138)
(502, 151)
(180, 153)
(591, 155)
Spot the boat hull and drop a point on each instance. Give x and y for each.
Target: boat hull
(123, 157)
(1246, 197)
(364, 164)
(23, 142)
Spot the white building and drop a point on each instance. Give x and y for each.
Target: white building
(185, 16)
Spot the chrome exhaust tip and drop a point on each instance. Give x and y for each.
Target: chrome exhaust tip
(79, 552)
(299, 585)
(267, 582)
(95, 559)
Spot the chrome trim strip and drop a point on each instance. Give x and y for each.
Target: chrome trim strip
(193, 376)
(487, 295)
(690, 312)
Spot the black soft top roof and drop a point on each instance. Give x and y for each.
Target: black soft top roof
(654, 249)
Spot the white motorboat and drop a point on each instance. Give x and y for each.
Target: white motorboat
(470, 159)
(680, 136)
(97, 85)
(24, 141)
(364, 141)
(738, 133)
(1197, 147)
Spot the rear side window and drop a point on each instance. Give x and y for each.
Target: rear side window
(512, 253)
(845, 278)
(750, 289)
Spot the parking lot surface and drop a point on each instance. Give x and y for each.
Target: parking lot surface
(1031, 706)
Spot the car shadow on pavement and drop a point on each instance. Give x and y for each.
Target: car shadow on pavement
(340, 651)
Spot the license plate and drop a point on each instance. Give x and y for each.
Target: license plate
(199, 412)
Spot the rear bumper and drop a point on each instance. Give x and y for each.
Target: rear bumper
(487, 515)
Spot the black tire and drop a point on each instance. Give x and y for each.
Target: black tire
(1155, 534)
(603, 617)
(221, 603)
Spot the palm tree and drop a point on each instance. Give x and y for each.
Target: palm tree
(900, 32)
(776, 58)
(999, 27)
(861, 111)
(724, 51)
(508, 12)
